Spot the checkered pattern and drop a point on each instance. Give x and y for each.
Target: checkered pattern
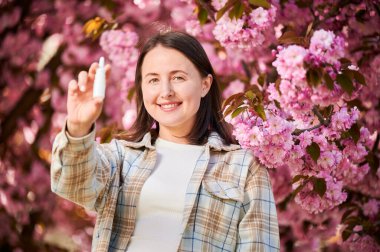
(229, 203)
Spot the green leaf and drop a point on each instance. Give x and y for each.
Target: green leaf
(347, 214)
(237, 103)
(345, 82)
(353, 221)
(202, 16)
(225, 8)
(238, 111)
(346, 234)
(344, 135)
(231, 14)
(260, 3)
(314, 76)
(314, 151)
(238, 10)
(319, 186)
(256, 90)
(231, 99)
(277, 85)
(345, 62)
(327, 111)
(309, 29)
(360, 78)
(277, 103)
(349, 73)
(250, 95)
(261, 79)
(356, 103)
(354, 132)
(373, 161)
(298, 189)
(298, 178)
(328, 81)
(290, 37)
(259, 109)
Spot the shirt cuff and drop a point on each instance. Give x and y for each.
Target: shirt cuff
(80, 143)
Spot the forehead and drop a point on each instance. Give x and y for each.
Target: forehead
(162, 59)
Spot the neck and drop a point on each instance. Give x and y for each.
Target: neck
(173, 135)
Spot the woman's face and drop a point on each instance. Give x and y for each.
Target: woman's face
(172, 89)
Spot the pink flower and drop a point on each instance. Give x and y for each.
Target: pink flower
(360, 243)
(259, 16)
(371, 208)
(326, 160)
(289, 62)
(326, 46)
(246, 32)
(129, 117)
(305, 139)
(342, 120)
(142, 4)
(313, 203)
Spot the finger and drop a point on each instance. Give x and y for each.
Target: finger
(98, 101)
(73, 88)
(92, 70)
(91, 75)
(82, 81)
(108, 71)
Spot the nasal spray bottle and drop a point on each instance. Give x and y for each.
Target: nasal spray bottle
(100, 80)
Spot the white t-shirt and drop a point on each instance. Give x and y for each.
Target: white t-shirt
(162, 199)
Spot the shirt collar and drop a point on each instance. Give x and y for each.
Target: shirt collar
(214, 141)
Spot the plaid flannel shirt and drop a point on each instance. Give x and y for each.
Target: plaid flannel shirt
(229, 204)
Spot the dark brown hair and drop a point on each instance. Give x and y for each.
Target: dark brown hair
(209, 116)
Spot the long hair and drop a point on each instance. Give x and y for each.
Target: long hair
(209, 116)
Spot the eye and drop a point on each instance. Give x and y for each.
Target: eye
(153, 81)
(178, 78)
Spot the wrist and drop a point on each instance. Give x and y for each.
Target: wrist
(77, 130)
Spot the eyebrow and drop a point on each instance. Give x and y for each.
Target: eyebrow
(171, 72)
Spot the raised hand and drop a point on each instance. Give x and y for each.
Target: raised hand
(82, 108)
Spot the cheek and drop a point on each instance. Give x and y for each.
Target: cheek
(148, 95)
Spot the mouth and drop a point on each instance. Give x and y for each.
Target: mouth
(170, 106)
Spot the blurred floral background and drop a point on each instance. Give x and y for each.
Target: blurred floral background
(301, 81)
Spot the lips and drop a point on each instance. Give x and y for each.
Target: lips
(169, 106)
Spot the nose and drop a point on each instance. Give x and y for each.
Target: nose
(166, 90)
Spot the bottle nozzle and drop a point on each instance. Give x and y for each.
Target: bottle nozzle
(101, 62)
(100, 80)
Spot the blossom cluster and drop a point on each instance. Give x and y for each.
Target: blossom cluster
(246, 32)
(120, 46)
(276, 146)
(121, 49)
(294, 92)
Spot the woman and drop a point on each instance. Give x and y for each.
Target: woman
(179, 186)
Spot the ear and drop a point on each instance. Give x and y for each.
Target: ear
(206, 84)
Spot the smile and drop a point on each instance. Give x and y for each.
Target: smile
(169, 106)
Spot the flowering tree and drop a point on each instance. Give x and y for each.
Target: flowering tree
(301, 82)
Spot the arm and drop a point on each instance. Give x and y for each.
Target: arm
(258, 227)
(81, 169)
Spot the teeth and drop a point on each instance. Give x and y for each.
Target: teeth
(168, 106)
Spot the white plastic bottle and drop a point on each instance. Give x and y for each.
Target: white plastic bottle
(100, 80)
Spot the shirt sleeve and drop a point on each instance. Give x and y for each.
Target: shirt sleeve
(258, 228)
(81, 169)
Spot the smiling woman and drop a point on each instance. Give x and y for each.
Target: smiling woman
(180, 186)
(172, 89)
(174, 66)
